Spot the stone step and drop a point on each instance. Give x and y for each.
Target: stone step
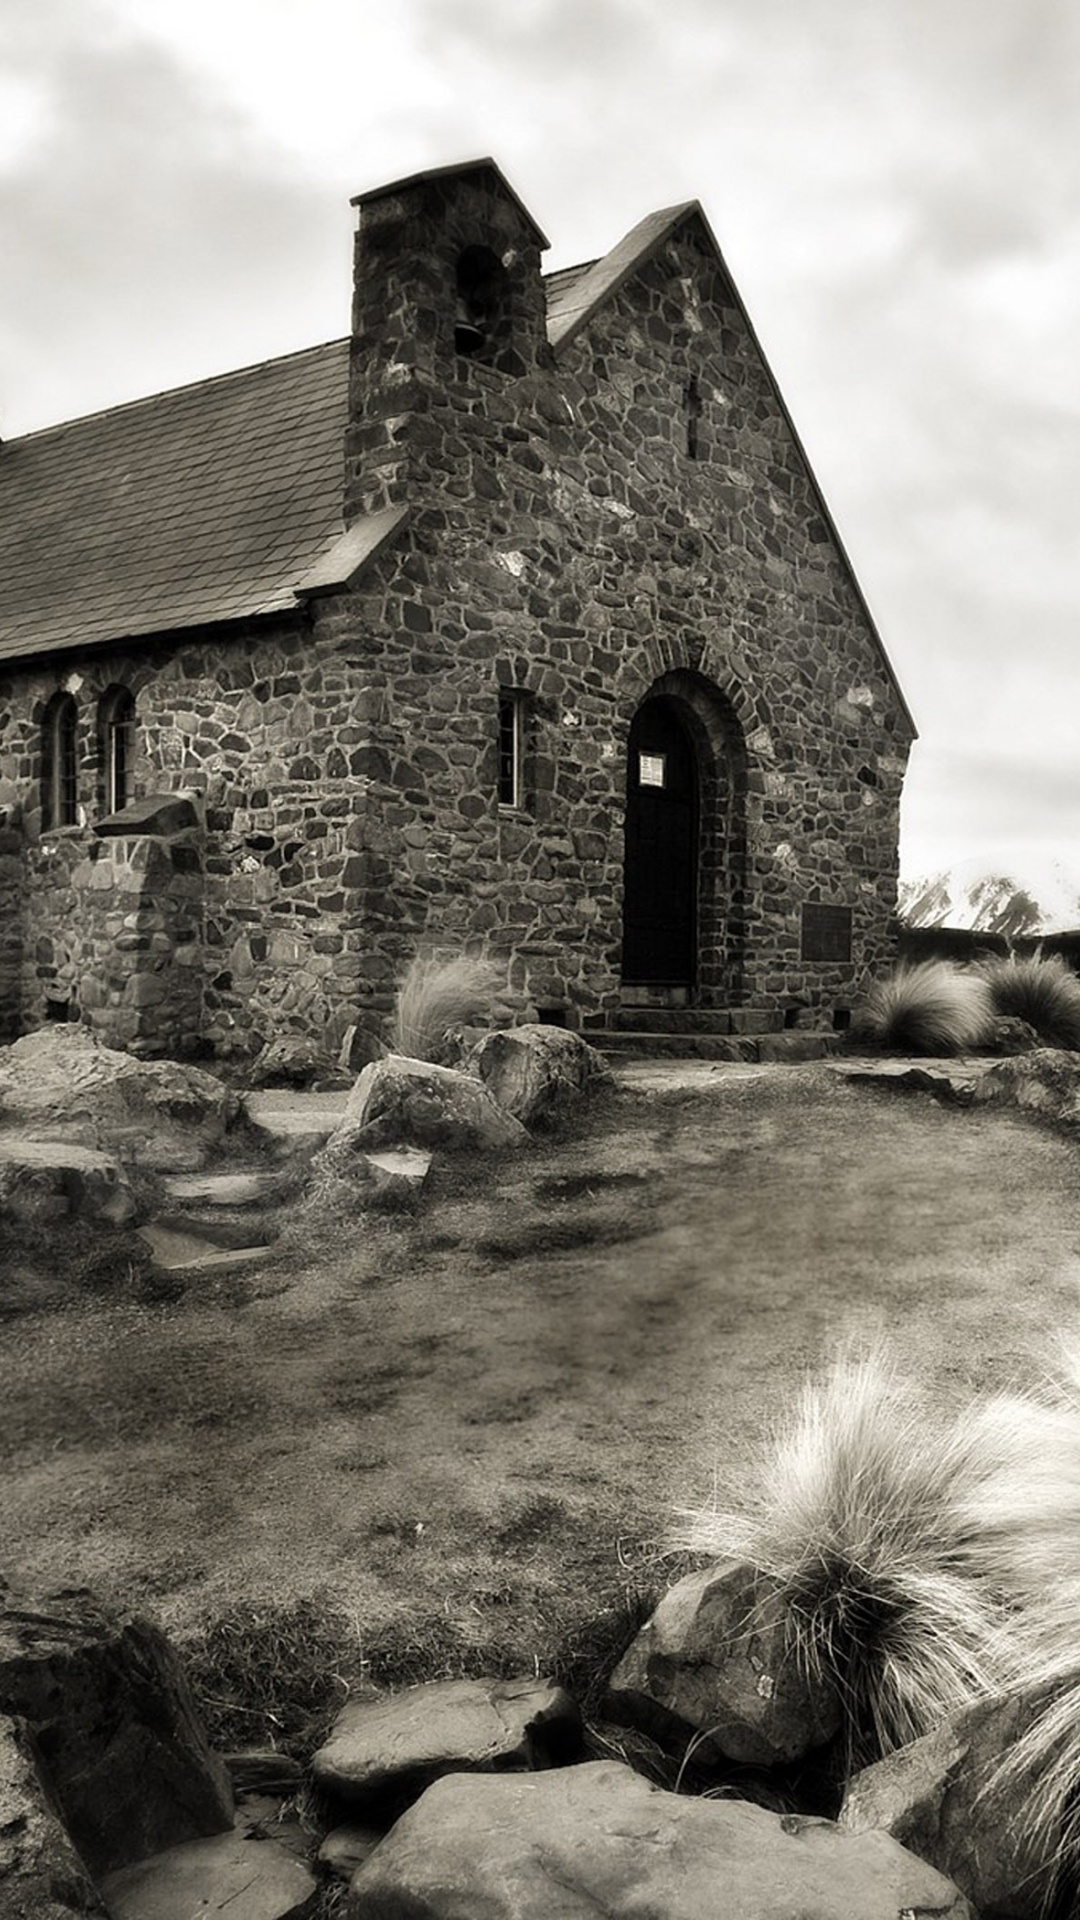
(683, 1020)
(179, 1241)
(792, 1046)
(242, 1189)
(294, 1123)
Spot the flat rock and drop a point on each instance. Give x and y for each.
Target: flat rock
(714, 1665)
(41, 1875)
(955, 1080)
(397, 1168)
(399, 1102)
(600, 1840)
(179, 1250)
(115, 1734)
(536, 1071)
(933, 1797)
(293, 1126)
(222, 1189)
(64, 1083)
(231, 1875)
(399, 1745)
(46, 1180)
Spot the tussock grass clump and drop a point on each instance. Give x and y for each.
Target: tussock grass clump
(440, 993)
(859, 1508)
(1028, 1529)
(1041, 989)
(931, 1006)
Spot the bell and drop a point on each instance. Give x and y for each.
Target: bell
(468, 336)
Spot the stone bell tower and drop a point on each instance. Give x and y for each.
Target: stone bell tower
(448, 313)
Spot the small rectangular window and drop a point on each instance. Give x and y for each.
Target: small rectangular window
(511, 749)
(692, 407)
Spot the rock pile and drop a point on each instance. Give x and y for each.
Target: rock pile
(464, 1797)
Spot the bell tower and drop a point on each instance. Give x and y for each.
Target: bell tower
(448, 311)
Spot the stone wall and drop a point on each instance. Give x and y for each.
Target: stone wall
(117, 937)
(568, 545)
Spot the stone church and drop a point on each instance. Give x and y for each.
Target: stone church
(513, 623)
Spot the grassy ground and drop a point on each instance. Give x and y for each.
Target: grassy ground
(414, 1445)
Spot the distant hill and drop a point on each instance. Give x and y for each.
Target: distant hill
(975, 897)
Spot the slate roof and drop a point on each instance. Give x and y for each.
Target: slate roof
(207, 503)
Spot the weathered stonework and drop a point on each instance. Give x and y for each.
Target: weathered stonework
(570, 539)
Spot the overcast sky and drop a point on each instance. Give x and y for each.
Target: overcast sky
(895, 185)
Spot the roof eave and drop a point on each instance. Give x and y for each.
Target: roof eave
(340, 566)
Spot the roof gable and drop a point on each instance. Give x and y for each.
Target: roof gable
(580, 296)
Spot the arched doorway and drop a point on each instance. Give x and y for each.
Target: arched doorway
(660, 908)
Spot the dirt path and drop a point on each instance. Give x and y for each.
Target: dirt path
(491, 1409)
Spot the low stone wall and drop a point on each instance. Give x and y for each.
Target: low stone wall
(118, 937)
(12, 926)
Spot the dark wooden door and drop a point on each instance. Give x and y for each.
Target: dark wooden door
(660, 896)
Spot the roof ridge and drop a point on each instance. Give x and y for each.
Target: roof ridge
(165, 393)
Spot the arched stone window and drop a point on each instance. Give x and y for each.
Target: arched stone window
(482, 311)
(59, 763)
(116, 742)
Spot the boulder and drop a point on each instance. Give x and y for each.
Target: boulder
(935, 1796)
(46, 1180)
(1046, 1081)
(536, 1071)
(394, 1748)
(600, 1840)
(346, 1849)
(114, 1729)
(400, 1102)
(64, 1083)
(290, 1061)
(41, 1875)
(231, 1875)
(1011, 1035)
(714, 1666)
(384, 1175)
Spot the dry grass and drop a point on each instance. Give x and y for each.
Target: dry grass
(930, 1007)
(1028, 1526)
(1041, 989)
(859, 1508)
(439, 994)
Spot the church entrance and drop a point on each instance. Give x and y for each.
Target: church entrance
(660, 906)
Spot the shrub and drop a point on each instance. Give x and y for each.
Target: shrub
(440, 993)
(859, 1506)
(932, 1006)
(1043, 990)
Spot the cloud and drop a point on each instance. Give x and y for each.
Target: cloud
(139, 225)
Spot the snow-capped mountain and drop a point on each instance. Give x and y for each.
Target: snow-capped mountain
(973, 895)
